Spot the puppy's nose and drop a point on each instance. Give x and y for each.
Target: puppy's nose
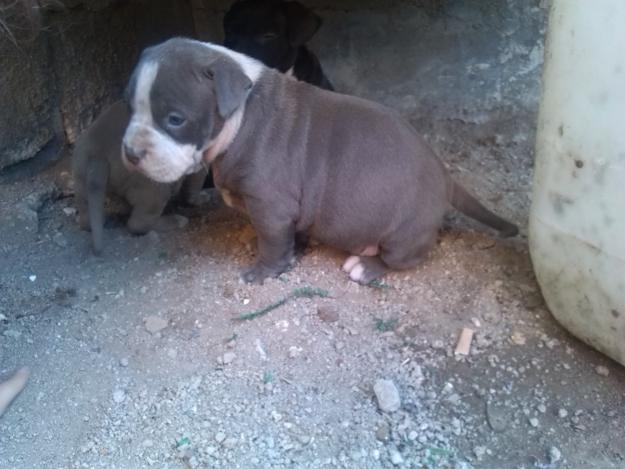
(132, 155)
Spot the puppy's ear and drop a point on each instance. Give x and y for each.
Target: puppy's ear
(302, 22)
(231, 85)
(129, 90)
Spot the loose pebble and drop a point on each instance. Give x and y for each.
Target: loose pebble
(154, 324)
(387, 395)
(327, 313)
(228, 358)
(383, 432)
(602, 370)
(396, 458)
(119, 396)
(554, 455)
(69, 211)
(479, 452)
(294, 351)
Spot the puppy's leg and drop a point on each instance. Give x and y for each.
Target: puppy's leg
(301, 244)
(398, 253)
(275, 230)
(191, 190)
(80, 201)
(144, 218)
(97, 179)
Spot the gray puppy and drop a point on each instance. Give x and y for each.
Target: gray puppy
(98, 170)
(298, 159)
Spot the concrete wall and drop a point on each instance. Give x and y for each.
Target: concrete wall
(459, 69)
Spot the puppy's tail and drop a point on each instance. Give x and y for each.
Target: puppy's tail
(97, 179)
(470, 206)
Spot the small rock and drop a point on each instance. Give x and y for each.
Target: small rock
(154, 324)
(534, 422)
(327, 313)
(220, 437)
(181, 221)
(294, 351)
(413, 435)
(554, 455)
(124, 362)
(13, 334)
(60, 240)
(119, 396)
(69, 211)
(152, 237)
(396, 458)
(383, 432)
(602, 370)
(541, 408)
(387, 395)
(518, 338)
(32, 278)
(87, 447)
(228, 358)
(375, 454)
(304, 439)
(479, 452)
(230, 442)
(563, 413)
(438, 345)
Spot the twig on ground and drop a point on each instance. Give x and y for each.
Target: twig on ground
(303, 292)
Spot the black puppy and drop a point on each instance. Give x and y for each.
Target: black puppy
(274, 32)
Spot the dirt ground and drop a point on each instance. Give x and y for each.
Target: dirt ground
(138, 358)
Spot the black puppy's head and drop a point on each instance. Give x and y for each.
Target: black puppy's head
(269, 30)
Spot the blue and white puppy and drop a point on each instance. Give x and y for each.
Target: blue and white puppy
(299, 160)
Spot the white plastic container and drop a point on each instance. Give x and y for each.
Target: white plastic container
(577, 220)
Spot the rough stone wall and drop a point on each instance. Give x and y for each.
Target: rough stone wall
(53, 84)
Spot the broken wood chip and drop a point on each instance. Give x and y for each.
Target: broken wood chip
(464, 342)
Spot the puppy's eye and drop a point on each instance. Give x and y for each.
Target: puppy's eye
(267, 37)
(175, 120)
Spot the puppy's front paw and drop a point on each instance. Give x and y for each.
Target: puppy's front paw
(259, 272)
(199, 199)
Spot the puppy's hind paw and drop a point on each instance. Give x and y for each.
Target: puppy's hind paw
(350, 263)
(364, 270)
